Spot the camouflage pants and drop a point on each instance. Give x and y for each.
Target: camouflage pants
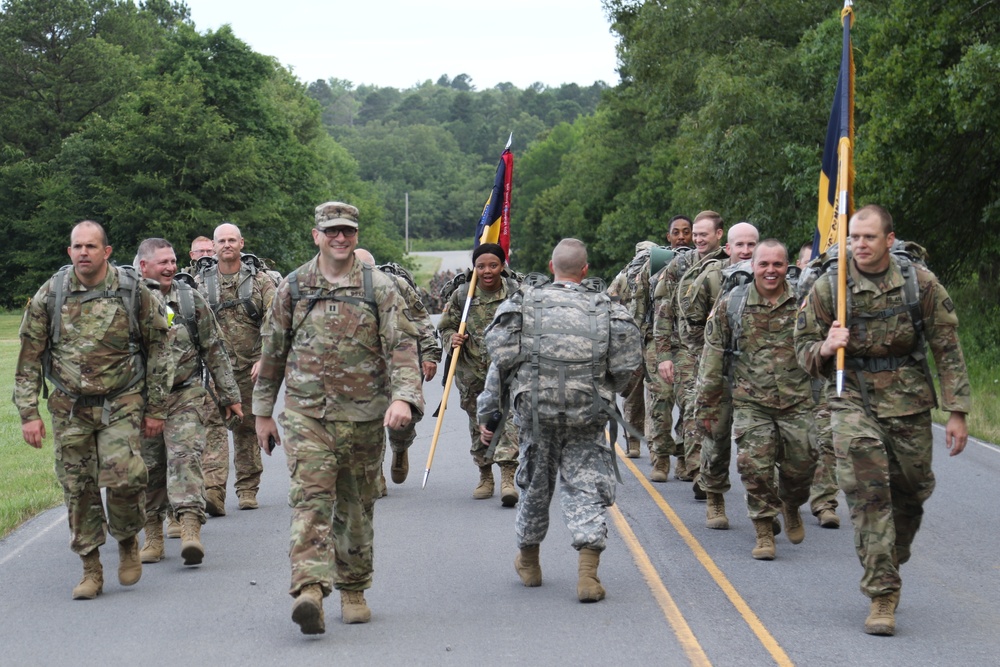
(685, 377)
(335, 470)
(769, 439)
(400, 440)
(469, 387)
(634, 405)
(581, 457)
(717, 449)
(884, 469)
(173, 458)
(823, 494)
(659, 412)
(90, 456)
(246, 452)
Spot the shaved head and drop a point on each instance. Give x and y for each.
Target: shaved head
(569, 260)
(742, 230)
(364, 256)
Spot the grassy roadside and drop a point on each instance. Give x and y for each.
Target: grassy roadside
(27, 475)
(425, 269)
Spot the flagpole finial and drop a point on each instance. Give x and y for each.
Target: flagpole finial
(848, 4)
(510, 140)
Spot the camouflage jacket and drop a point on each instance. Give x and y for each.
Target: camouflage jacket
(702, 287)
(187, 358)
(892, 393)
(676, 278)
(428, 346)
(503, 337)
(243, 334)
(92, 357)
(339, 361)
(473, 359)
(634, 296)
(766, 372)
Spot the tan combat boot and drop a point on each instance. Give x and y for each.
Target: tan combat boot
(527, 566)
(191, 548)
(93, 577)
(764, 549)
(129, 565)
(660, 469)
(307, 611)
(588, 586)
(881, 617)
(715, 512)
(248, 499)
(828, 518)
(633, 449)
(152, 547)
(400, 466)
(680, 470)
(173, 526)
(508, 490)
(794, 528)
(485, 487)
(353, 608)
(215, 503)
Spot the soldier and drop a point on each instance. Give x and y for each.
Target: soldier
(749, 346)
(239, 295)
(97, 334)
(679, 232)
(173, 458)
(630, 288)
(588, 348)
(337, 337)
(493, 287)
(428, 350)
(202, 246)
(823, 493)
(716, 450)
(675, 362)
(882, 420)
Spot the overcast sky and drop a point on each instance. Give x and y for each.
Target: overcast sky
(401, 43)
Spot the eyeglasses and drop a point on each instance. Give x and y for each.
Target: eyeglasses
(334, 232)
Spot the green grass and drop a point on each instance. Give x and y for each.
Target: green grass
(425, 268)
(27, 475)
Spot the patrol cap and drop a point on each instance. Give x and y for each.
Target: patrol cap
(336, 214)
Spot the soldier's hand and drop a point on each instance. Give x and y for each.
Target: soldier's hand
(835, 339)
(666, 371)
(398, 415)
(234, 409)
(956, 433)
(430, 370)
(457, 339)
(266, 428)
(33, 432)
(254, 371)
(152, 427)
(485, 435)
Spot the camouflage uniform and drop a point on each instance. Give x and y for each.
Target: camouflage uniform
(428, 349)
(574, 448)
(96, 441)
(634, 394)
(883, 444)
(667, 327)
(243, 340)
(823, 494)
(772, 403)
(696, 304)
(173, 458)
(342, 364)
(473, 361)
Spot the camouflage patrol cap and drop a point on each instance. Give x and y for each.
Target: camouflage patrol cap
(336, 214)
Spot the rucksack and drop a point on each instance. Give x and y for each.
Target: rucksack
(296, 295)
(905, 254)
(397, 270)
(128, 293)
(684, 253)
(250, 266)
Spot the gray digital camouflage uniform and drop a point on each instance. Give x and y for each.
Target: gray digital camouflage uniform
(342, 364)
(96, 439)
(573, 447)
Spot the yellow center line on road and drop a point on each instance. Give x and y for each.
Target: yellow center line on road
(766, 639)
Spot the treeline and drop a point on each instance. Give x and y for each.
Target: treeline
(124, 113)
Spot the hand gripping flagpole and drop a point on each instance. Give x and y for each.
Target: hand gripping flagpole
(451, 377)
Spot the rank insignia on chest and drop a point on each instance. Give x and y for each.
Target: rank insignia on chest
(332, 308)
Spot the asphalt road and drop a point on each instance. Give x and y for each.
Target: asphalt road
(445, 592)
